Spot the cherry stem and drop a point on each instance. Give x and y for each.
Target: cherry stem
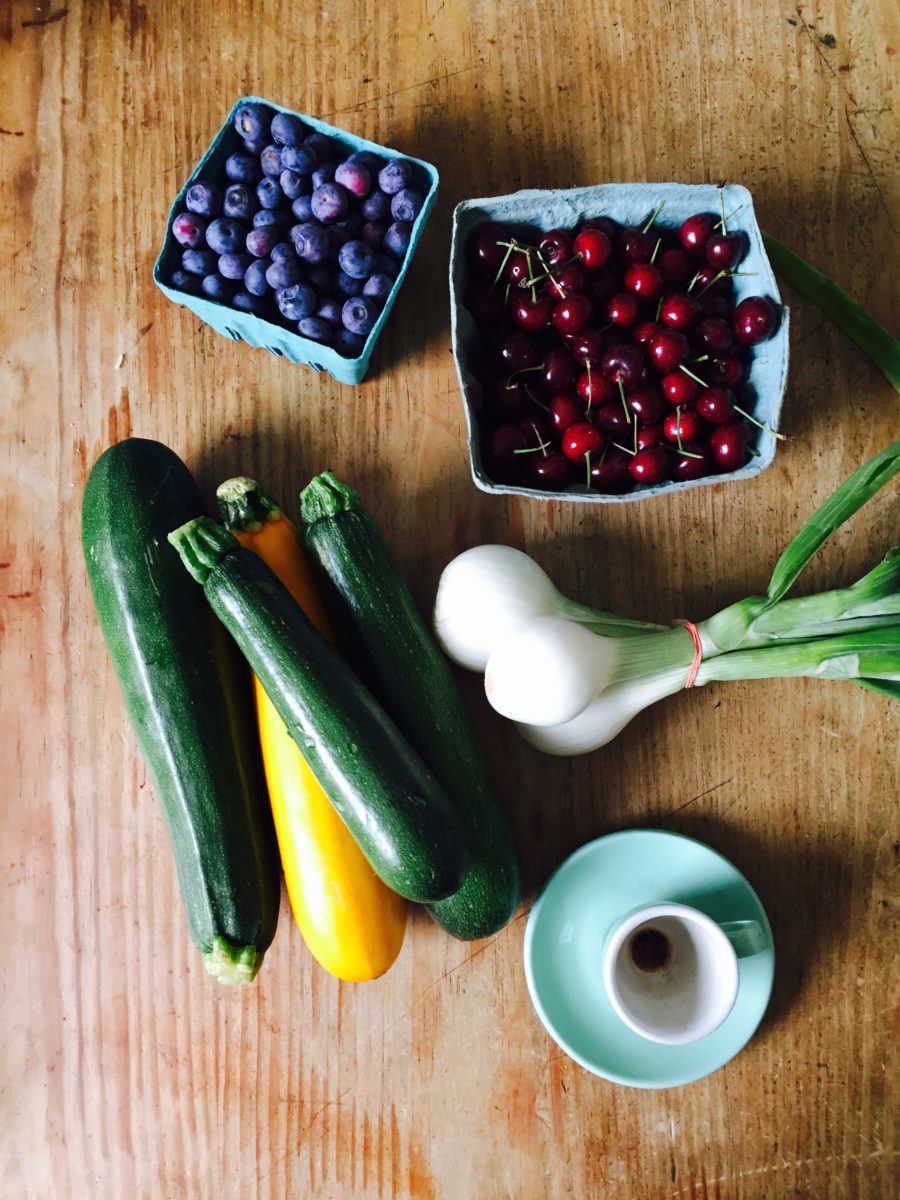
(587, 363)
(690, 286)
(678, 428)
(715, 279)
(624, 449)
(510, 246)
(528, 262)
(625, 407)
(680, 450)
(696, 378)
(759, 425)
(702, 358)
(655, 251)
(721, 224)
(653, 216)
(658, 309)
(587, 467)
(534, 449)
(722, 206)
(523, 371)
(534, 400)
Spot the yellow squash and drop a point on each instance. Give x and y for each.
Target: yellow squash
(353, 924)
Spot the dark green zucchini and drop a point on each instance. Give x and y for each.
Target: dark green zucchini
(184, 692)
(413, 680)
(390, 802)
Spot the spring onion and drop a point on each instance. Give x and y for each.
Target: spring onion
(572, 678)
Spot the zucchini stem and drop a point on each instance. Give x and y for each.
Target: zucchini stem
(245, 506)
(325, 496)
(232, 964)
(202, 545)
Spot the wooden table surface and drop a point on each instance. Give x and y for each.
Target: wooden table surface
(127, 1072)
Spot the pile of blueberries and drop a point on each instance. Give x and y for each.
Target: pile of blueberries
(299, 233)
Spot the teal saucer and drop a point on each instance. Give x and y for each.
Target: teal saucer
(564, 938)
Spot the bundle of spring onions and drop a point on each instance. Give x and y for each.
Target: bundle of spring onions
(572, 677)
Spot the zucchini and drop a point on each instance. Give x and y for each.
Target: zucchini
(181, 681)
(413, 680)
(390, 802)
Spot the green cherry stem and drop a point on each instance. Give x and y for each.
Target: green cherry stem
(696, 378)
(782, 437)
(625, 407)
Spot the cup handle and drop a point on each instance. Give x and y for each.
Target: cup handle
(746, 937)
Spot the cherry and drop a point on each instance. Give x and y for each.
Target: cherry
(713, 336)
(565, 281)
(518, 351)
(635, 246)
(484, 302)
(624, 364)
(532, 315)
(642, 333)
(623, 309)
(594, 247)
(676, 265)
(729, 445)
(611, 418)
(646, 403)
(668, 349)
(560, 369)
(572, 315)
(590, 345)
(551, 473)
(581, 438)
(507, 398)
(556, 247)
(611, 474)
(650, 465)
(680, 311)
(717, 303)
(679, 388)
(602, 285)
(565, 410)
(724, 250)
(693, 461)
(517, 269)
(482, 250)
(500, 448)
(726, 370)
(649, 435)
(645, 280)
(716, 405)
(606, 225)
(595, 388)
(682, 425)
(537, 427)
(754, 320)
(710, 281)
(695, 231)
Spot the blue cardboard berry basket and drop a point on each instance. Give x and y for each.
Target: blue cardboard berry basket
(629, 204)
(254, 330)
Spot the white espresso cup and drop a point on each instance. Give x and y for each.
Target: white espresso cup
(671, 972)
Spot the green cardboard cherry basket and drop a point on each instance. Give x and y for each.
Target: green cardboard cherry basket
(255, 330)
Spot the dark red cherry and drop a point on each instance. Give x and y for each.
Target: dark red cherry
(718, 304)
(572, 315)
(676, 265)
(612, 419)
(693, 461)
(500, 457)
(678, 387)
(518, 351)
(605, 224)
(680, 311)
(482, 249)
(755, 320)
(556, 247)
(726, 370)
(517, 269)
(730, 445)
(724, 250)
(694, 233)
(484, 302)
(624, 364)
(595, 388)
(566, 281)
(594, 247)
(611, 474)
(650, 465)
(582, 438)
(642, 333)
(635, 246)
(649, 435)
(537, 427)
(644, 280)
(623, 309)
(682, 425)
(668, 349)
(646, 403)
(565, 409)
(530, 314)
(560, 369)
(716, 405)
(710, 281)
(602, 285)
(713, 336)
(551, 473)
(591, 345)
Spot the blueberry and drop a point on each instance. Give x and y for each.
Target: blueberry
(234, 266)
(270, 160)
(378, 288)
(336, 239)
(352, 223)
(294, 185)
(315, 329)
(330, 202)
(359, 314)
(199, 262)
(260, 241)
(312, 244)
(240, 201)
(217, 288)
(368, 158)
(287, 130)
(372, 233)
(243, 168)
(283, 274)
(268, 192)
(302, 208)
(356, 258)
(407, 204)
(395, 176)
(247, 302)
(355, 177)
(302, 159)
(264, 217)
(252, 120)
(396, 240)
(203, 198)
(255, 146)
(296, 302)
(184, 281)
(385, 265)
(326, 148)
(330, 311)
(350, 345)
(345, 285)
(255, 279)
(321, 279)
(323, 174)
(282, 251)
(376, 206)
(188, 229)
(225, 235)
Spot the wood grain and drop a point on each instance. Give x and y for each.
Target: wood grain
(126, 1072)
